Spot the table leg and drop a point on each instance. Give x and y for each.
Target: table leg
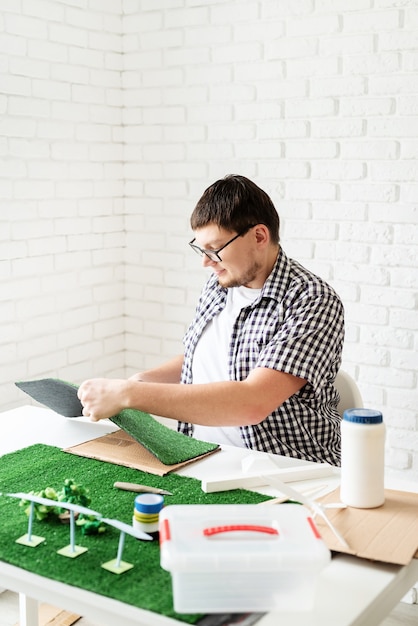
(28, 611)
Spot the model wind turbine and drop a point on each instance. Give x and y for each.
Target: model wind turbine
(72, 550)
(117, 566)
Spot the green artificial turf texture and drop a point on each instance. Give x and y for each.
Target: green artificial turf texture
(169, 446)
(146, 585)
(166, 444)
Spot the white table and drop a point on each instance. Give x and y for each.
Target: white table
(350, 591)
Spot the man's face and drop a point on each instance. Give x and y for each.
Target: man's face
(239, 264)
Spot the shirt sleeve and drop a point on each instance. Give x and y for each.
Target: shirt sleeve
(307, 342)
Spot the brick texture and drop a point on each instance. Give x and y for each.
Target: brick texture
(116, 115)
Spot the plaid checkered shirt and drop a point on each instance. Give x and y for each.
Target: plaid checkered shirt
(296, 326)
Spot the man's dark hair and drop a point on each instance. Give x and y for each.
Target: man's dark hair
(235, 203)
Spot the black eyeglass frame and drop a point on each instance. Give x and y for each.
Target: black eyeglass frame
(213, 255)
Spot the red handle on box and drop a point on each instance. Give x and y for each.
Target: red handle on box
(165, 532)
(214, 530)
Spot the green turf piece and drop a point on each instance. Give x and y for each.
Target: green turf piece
(169, 446)
(166, 444)
(54, 393)
(146, 585)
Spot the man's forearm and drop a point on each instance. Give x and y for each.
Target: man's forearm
(211, 404)
(168, 372)
(229, 403)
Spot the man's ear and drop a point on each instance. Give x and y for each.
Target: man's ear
(262, 234)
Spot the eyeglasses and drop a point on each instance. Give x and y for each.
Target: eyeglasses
(213, 255)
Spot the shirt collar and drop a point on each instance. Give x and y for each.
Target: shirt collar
(275, 286)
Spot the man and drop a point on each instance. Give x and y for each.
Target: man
(263, 350)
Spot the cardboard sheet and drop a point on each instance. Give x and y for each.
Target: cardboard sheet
(388, 533)
(52, 616)
(121, 449)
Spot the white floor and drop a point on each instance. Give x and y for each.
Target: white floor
(403, 614)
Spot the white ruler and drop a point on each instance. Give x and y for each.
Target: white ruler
(286, 475)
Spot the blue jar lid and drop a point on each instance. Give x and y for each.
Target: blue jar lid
(149, 503)
(363, 416)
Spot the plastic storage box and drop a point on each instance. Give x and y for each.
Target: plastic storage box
(245, 557)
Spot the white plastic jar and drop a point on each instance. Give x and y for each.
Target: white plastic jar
(362, 458)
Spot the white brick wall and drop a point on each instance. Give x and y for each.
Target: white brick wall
(114, 116)
(61, 190)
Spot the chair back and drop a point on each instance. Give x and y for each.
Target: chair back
(350, 396)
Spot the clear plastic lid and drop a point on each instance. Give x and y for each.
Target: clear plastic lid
(363, 416)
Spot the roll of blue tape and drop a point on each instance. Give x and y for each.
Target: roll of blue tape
(149, 503)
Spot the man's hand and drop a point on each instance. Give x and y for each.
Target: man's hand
(103, 397)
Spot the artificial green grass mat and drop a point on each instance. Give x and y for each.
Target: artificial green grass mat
(169, 446)
(146, 585)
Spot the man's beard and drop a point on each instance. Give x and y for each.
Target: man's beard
(244, 279)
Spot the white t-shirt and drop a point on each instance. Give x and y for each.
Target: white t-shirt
(210, 359)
